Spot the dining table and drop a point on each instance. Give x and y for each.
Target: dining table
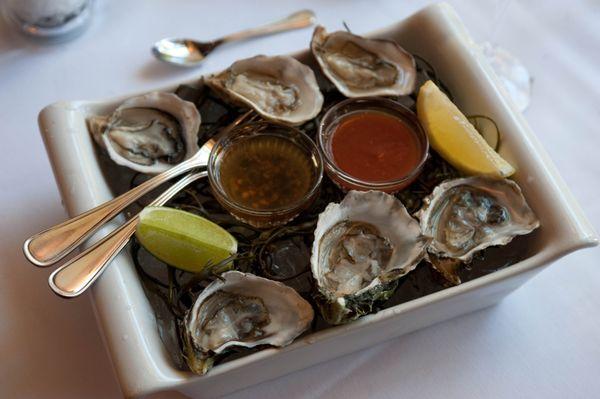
(542, 341)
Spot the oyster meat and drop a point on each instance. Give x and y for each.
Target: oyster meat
(149, 133)
(242, 310)
(465, 215)
(362, 67)
(279, 88)
(361, 247)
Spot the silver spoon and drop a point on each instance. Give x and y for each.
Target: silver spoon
(188, 52)
(74, 277)
(53, 244)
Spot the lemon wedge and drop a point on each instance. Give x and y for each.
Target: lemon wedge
(182, 239)
(454, 138)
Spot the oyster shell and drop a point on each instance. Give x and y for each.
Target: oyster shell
(149, 133)
(361, 247)
(465, 215)
(279, 88)
(242, 310)
(362, 67)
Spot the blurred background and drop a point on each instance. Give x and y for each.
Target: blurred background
(540, 342)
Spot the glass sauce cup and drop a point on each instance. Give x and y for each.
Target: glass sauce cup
(338, 112)
(256, 216)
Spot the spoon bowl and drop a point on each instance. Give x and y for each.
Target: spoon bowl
(184, 52)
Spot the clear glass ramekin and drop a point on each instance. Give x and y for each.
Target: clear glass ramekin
(264, 218)
(335, 114)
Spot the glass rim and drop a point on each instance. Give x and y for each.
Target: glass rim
(306, 143)
(385, 105)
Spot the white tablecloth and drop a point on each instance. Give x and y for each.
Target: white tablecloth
(541, 342)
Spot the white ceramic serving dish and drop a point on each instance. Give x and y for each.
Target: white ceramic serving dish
(128, 321)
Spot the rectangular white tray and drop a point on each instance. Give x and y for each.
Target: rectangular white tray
(127, 319)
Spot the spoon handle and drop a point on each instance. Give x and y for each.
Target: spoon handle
(53, 244)
(75, 276)
(297, 20)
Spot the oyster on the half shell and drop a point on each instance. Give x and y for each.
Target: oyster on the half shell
(361, 67)
(362, 246)
(465, 215)
(280, 88)
(149, 133)
(242, 310)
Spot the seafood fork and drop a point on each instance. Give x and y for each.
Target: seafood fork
(53, 244)
(75, 276)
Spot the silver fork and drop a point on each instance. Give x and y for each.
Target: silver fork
(74, 277)
(52, 245)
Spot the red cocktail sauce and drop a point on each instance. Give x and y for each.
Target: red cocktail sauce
(375, 147)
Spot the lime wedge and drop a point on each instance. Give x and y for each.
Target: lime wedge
(182, 239)
(454, 138)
